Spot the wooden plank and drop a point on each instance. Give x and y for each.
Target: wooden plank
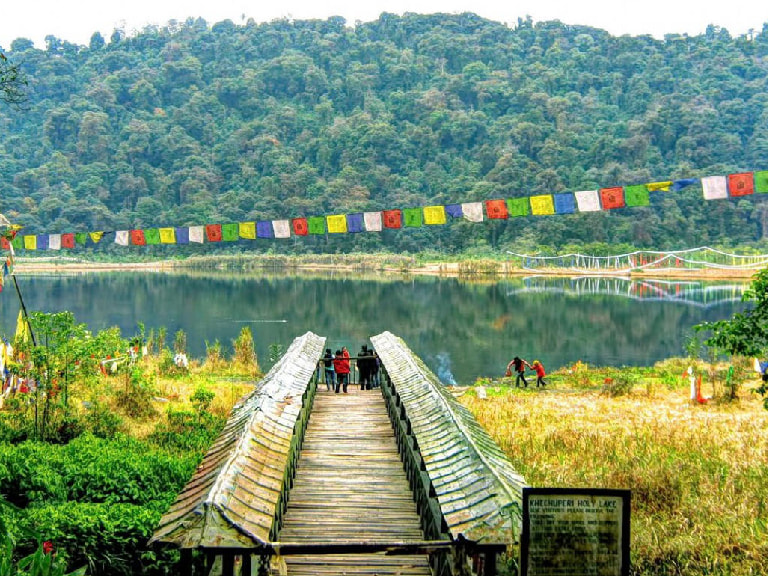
(350, 486)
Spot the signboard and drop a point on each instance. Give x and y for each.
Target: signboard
(575, 532)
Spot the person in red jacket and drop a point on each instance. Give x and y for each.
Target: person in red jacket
(539, 368)
(341, 366)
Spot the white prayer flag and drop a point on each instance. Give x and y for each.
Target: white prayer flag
(372, 221)
(588, 200)
(282, 228)
(122, 237)
(196, 234)
(473, 211)
(54, 242)
(715, 187)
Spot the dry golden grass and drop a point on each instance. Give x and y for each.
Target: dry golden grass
(698, 473)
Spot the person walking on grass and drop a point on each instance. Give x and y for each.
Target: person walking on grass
(538, 367)
(519, 366)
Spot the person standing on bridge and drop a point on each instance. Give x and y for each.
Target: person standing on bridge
(330, 375)
(519, 365)
(341, 366)
(364, 359)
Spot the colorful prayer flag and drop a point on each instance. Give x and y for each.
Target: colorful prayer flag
(30, 242)
(68, 240)
(587, 200)
(612, 198)
(542, 205)
(518, 206)
(413, 217)
(81, 238)
(213, 232)
(167, 236)
(678, 185)
(42, 241)
(761, 182)
(54, 241)
(659, 186)
(714, 187)
(122, 238)
(337, 224)
(182, 235)
(392, 218)
(454, 210)
(4, 243)
(316, 224)
(196, 234)
(264, 229)
(496, 209)
(637, 195)
(152, 236)
(18, 243)
(472, 211)
(355, 223)
(372, 221)
(137, 238)
(434, 215)
(230, 232)
(565, 203)
(300, 226)
(741, 184)
(282, 228)
(247, 230)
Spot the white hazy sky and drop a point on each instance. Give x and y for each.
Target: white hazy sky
(77, 21)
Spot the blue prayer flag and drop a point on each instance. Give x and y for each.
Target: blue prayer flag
(182, 235)
(264, 229)
(678, 185)
(355, 222)
(565, 203)
(454, 210)
(42, 241)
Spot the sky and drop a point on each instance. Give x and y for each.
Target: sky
(77, 21)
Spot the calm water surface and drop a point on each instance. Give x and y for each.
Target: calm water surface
(461, 330)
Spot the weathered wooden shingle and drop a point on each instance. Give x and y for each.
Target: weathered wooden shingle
(479, 491)
(231, 499)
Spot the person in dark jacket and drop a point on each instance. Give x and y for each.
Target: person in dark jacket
(330, 374)
(519, 365)
(364, 368)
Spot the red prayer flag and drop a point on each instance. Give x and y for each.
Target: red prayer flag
(496, 209)
(137, 238)
(741, 184)
(392, 218)
(68, 240)
(612, 197)
(4, 244)
(300, 227)
(213, 232)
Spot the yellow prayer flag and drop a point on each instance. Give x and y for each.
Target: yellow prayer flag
(337, 224)
(30, 242)
(248, 230)
(96, 236)
(23, 331)
(658, 186)
(434, 215)
(542, 205)
(167, 236)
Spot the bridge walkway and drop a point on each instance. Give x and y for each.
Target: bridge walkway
(350, 487)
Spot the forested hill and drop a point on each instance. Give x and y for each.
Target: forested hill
(195, 123)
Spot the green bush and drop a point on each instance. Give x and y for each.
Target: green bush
(186, 431)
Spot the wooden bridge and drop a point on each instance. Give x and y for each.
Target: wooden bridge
(303, 481)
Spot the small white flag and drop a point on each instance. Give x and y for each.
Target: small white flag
(54, 242)
(122, 237)
(372, 221)
(715, 187)
(196, 234)
(473, 211)
(282, 228)
(588, 200)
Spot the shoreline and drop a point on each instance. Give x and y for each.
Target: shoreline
(439, 269)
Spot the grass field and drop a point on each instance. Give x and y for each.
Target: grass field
(698, 473)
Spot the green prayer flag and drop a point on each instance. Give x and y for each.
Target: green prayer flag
(81, 237)
(636, 195)
(230, 232)
(518, 207)
(152, 235)
(316, 224)
(414, 217)
(761, 182)
(17, 242)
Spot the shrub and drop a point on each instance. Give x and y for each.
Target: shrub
(245, 353)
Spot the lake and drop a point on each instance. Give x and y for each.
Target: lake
(461, 329)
